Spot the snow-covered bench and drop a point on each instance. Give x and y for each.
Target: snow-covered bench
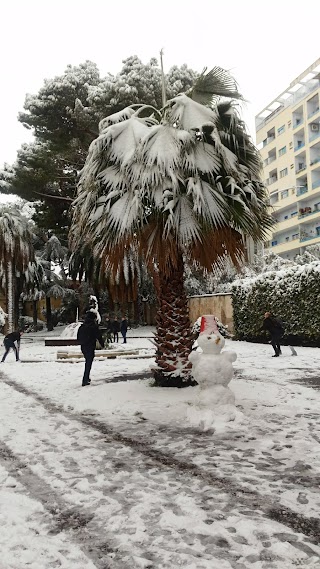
(65, 355)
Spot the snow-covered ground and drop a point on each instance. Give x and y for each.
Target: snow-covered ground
(113, 475)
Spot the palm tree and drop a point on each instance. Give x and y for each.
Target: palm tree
(170, 185)
(54, 253)
(16, 251)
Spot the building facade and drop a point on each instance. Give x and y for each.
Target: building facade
(288, 136)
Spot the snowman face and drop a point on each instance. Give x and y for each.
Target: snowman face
(210, 343)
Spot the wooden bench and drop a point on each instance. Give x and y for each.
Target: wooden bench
(64, 355)
(61, 342)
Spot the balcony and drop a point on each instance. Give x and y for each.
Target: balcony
(286, 246)
(272, 180)
(268, 140)
(308, 213)
(269, 160)
(314, 161)
(300, 145)
(286, 224)
(313, 136)
(314, 112)
(288, 241)
(301, 191)
(297, 123)
(308, 237)
(316, 184)
(300, 169)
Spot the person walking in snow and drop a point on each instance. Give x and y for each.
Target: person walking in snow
(108, 325)
(87, 336)
(275, 328)
(116, 329)
(124, 329)
(12, 341)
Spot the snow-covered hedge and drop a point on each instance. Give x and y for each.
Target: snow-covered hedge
(292, 294)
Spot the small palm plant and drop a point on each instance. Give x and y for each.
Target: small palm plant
(168, 185)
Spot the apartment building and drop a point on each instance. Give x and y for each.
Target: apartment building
(288, 136)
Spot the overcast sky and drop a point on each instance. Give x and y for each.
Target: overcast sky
(265, 45)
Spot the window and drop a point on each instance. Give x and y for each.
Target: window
(283, 172)
(289, 124)
(281, 129)
(291, 166)
(284, 194)
(282, 151)
(290, 144)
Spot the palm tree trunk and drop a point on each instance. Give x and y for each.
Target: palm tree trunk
(49, 314)
(35, 313)
(173, 334)
(10, 297)
(17, 302)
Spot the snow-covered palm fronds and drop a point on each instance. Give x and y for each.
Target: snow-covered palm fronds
(57, 291)
(191, 174)
(16, 251)
(54, 251)
(15, 238)
(188, 114)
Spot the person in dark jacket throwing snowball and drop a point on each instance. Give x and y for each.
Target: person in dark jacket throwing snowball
(275, 329)
(12, 341)
(87, 336)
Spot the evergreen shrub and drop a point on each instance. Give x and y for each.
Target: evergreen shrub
(292, 294)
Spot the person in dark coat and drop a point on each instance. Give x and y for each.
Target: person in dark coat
(275, 328)
(108, 325)
(87, 336)
(12, 341)
(124, 329)
(116, 329)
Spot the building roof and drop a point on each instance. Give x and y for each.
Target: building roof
(297, 90)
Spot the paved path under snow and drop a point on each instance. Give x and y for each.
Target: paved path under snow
(145, 496)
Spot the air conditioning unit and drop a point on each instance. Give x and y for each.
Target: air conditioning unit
(315, 127)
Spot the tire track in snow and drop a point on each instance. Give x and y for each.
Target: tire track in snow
(242, 495)
(63, 518)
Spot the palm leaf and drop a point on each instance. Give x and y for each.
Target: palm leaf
(212, 84)
(187, 114)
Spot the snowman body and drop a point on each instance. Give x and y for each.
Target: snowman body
(213, 370)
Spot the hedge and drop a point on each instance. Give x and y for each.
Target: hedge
(291, 294)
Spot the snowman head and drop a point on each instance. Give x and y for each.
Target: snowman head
(210, 340)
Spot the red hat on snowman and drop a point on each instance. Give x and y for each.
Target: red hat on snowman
(208, 324)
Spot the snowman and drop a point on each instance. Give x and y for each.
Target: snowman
(93, 304)
(211, 368)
